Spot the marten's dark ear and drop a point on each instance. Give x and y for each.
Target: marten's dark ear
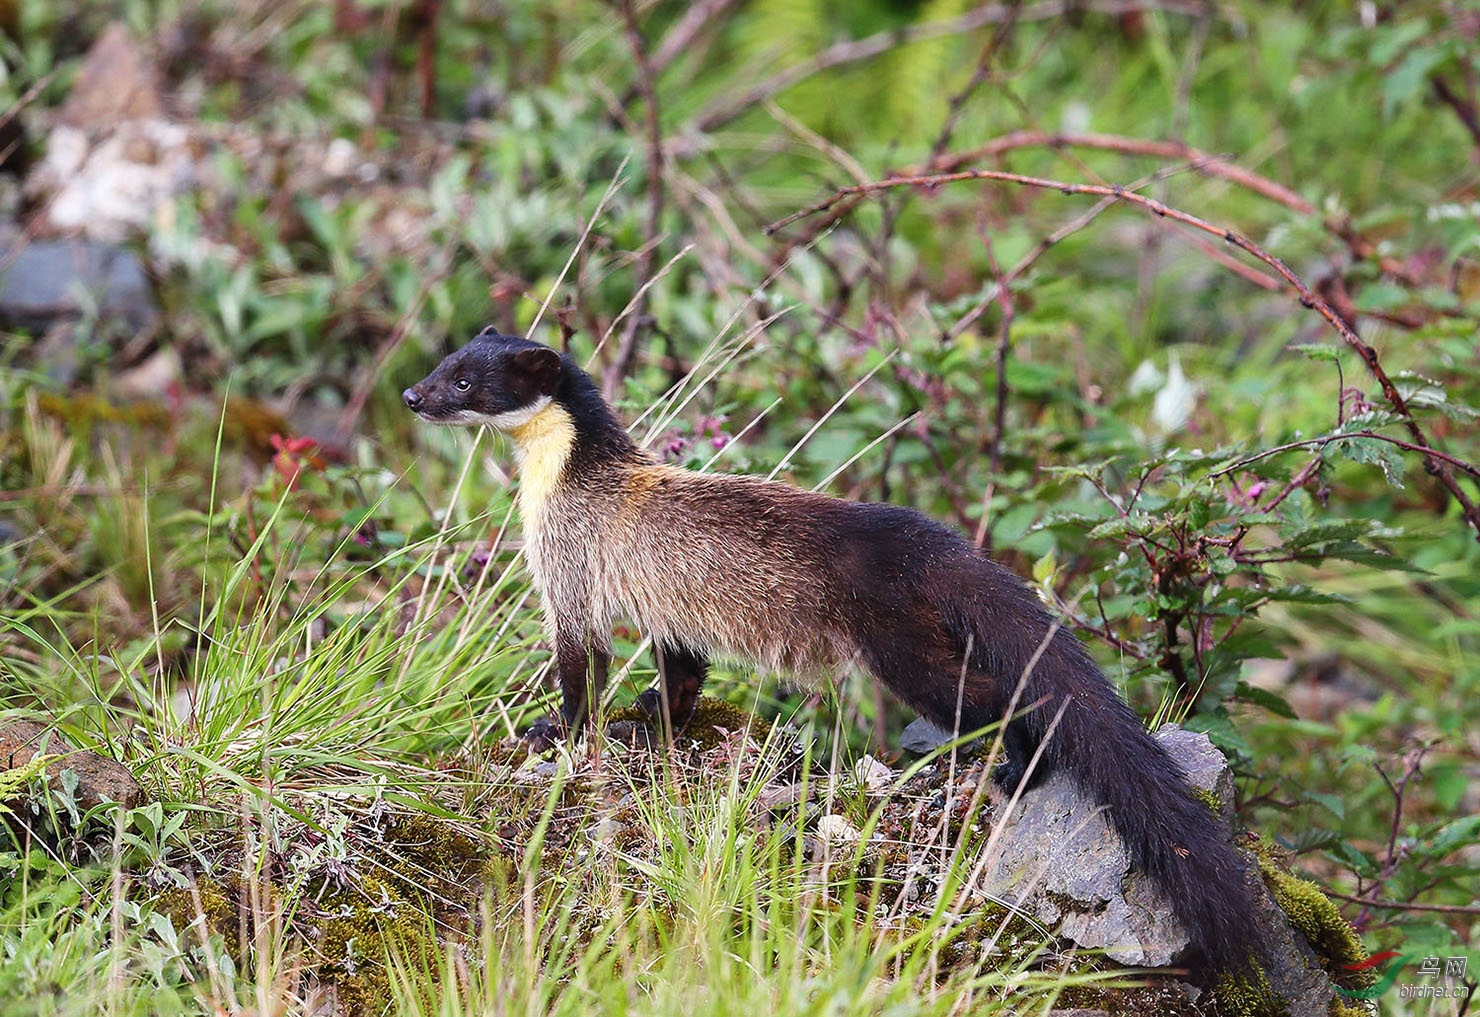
(538, 368)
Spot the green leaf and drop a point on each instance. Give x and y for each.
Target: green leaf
(1380, 453)
(1317, 351)
(1455, 835)
(1044, 567)
(1411, 77)
(1449, 782)
(1376, 559)
(1135, 522)
(1296, 593)
(1198, 514)
(1325, 533)
(1382, 297)
(1331, 803)
(1271, 701)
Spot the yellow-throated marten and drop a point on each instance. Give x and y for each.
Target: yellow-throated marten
(734, 566)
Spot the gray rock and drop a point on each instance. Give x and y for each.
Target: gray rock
(1064, 864)
(921, 737)
(46, 281)
(1060, 860)
(1204, 764)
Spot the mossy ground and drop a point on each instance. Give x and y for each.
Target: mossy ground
(410, 883)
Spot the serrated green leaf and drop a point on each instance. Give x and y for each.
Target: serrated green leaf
(1325, 533)
(1198, 514)
(1312, 839)
(1353, 858)
(1373, 558)
(1331, 803)
(1374, 451)
(1395, 38)
(1117, 527)
(1411, 76)
(1298, 594)
(1457, 834)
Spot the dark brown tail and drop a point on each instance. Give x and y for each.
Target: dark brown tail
(946, 598)
(1173, 837)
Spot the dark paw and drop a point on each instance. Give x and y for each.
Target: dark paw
(543, 734)
(1011, 772)
(1008, 774)
(650, 702)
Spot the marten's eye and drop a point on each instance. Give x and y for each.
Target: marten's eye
(463, 384)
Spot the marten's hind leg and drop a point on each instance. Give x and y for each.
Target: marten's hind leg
(1018, 746)
(681, 674)
(911, 663)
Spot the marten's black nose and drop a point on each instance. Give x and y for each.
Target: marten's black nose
(411, 398)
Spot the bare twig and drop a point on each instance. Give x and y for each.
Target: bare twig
(1152, 238)
(1201, 162)
(1436, 465)
(622, 363)
(682, 34)
(1204, 163)
(978, 76)
(1412, 767)
(1463, 108)
(355, 405)
(1392, 905)
(42, 84)
(1407, 446)
(1004, 342)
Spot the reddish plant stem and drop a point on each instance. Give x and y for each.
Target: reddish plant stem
(1437, 466)
(621, 364)
(1202, 162)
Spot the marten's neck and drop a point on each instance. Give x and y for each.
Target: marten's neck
(572, 437)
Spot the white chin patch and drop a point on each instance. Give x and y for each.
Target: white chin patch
(505, 421)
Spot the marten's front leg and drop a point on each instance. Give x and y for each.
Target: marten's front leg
(681, 674)
(582, 671)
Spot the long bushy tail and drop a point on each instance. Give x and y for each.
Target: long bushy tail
(929, 598)
(1173, 837)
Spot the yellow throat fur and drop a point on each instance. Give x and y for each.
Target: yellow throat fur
(543, 445)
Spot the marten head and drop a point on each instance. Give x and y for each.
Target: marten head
(499, 380)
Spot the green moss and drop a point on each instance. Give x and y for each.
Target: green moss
(1208, 798)
(1248, 995)
(409, 876)
(217, 900)
(713, 719)
(1331, 937)
(358, 931)
(716, 713)
(1311, 912)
